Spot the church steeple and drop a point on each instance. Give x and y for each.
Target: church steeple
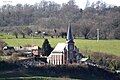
(69, 34)
(69, 45)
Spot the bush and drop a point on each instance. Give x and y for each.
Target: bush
(111, 62)
(2, 44)
(1, 53)
(13, 58)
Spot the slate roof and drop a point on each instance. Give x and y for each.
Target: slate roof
(59, 48)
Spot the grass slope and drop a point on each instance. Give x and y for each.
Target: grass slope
(106, 46)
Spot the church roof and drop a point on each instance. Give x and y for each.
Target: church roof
(59, 48)
(69, 34)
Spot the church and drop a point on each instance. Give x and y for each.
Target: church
(64, 53)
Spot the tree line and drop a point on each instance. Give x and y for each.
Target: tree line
(49, 15)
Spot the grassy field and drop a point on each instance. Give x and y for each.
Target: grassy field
(106, 46)
(85, 46)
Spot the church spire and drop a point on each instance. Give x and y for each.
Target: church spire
(69, 34)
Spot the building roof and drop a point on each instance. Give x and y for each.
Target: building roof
(36, 48)
(69, 34)
(84, 59)
(8, 48)
(59, 48)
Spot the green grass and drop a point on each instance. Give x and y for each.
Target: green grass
(11, 36)
(106, 46)
(39, 42)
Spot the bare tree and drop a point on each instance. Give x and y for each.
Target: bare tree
(15, 33)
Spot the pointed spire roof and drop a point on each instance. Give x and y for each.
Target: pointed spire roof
(69, 34)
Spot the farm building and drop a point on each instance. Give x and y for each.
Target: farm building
(36, 51)
(64, 53)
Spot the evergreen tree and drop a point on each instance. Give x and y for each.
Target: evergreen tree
(46, 48)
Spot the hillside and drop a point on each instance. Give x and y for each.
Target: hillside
(53, 18)
(81, 72)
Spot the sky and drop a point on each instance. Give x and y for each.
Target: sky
(80, 3)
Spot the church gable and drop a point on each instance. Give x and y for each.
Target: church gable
(57, 55)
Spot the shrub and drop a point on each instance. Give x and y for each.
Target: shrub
(1, 52)
(2, 44)
(112, 62)
(13, 58)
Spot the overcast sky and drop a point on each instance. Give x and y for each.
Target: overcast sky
(80, 3)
